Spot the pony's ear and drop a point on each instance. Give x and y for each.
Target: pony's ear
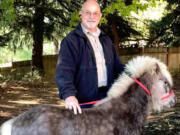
(157, 68)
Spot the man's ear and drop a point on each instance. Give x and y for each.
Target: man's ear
(80, 13)
(100, 15)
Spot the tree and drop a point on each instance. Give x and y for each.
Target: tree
(38, 20)
(7, 16)
(35, 21)
(118, 29)
(7, 13)
(167, 30)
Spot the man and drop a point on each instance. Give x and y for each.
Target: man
(87, 62)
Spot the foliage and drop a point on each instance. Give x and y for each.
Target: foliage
(75, 19)
(123, 27)
(21, 54)
(113, 6)
(122, 9)
(7, 12)
(33, 77)
(110, 7)
(36, 21)
(12, 76)
(21, 31)
(7, 16)
(167, 30)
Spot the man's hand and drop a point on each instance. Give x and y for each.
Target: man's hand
(72, 103)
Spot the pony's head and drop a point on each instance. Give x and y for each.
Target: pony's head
(156, 76)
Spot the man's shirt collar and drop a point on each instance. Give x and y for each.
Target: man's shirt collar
(95, 34)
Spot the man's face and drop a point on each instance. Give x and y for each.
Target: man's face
(90, 15)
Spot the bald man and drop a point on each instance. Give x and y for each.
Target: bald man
(87, 63)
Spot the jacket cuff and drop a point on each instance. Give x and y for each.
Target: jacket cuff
(65, 95)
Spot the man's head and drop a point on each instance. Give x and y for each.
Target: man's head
(90, 15)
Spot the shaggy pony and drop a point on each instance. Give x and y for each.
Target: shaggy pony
(122, 112)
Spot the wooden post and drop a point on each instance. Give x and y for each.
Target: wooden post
(168, 57)
(141, 51)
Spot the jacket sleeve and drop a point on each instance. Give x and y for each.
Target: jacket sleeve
(118, 65)
(66, 68)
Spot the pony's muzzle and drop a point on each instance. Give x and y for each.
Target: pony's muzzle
(173, 100)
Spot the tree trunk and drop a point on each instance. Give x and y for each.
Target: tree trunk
(115, 35)
(38, 30)
(56, 44)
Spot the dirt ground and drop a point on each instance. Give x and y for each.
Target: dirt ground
(17, 97)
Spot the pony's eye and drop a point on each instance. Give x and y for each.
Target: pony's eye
(166, 83)
(168, 87)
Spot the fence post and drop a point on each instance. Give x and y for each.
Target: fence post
(141, 51)
(168, 57)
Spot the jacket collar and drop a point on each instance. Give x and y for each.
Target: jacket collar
(80, 32)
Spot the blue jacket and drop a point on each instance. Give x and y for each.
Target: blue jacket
(76, 73)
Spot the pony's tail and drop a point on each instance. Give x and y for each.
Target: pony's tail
(6, 127)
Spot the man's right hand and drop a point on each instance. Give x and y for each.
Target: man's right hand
(72, 103)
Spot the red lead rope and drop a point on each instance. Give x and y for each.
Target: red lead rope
(144, 87)
(90, 103)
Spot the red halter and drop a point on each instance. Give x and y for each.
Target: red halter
(168, 96)
(144, 87)
(149, 93)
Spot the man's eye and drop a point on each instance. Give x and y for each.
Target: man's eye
(87, 13)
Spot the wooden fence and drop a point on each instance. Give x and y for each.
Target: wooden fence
(170, 56)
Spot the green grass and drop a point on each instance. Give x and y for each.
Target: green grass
(9, 55)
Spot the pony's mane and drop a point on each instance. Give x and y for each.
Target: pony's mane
(135, 69)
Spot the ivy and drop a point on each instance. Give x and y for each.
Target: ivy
(75, 19)
(7, 12)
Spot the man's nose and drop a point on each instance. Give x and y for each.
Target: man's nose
(92, 15)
